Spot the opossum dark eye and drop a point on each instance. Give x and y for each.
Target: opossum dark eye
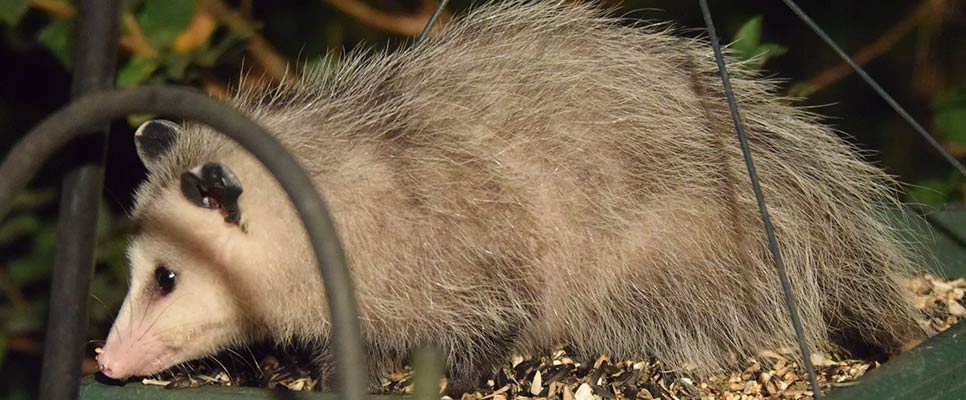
(165, 279)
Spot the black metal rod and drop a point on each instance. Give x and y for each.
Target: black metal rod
(762, 208)
(95, 55)
(432, 21)
(428, 366)
(877, 88)
(94, 110)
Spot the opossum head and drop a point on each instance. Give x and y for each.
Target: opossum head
(190, 263)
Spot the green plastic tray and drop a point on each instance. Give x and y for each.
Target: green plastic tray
(936, 369)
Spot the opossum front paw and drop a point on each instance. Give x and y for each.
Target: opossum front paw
(466, 379)
(326, 372)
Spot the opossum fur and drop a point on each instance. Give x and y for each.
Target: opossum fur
(535, 174)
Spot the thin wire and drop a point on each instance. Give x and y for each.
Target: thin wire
(432, 21)
(760, 198)
(875, 86)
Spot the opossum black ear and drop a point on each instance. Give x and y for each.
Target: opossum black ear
(213, 186)
(154, 138)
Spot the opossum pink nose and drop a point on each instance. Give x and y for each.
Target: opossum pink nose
(111, 369)
(112, 366)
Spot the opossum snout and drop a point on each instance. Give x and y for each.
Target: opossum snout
(112, 367)
(135, 357)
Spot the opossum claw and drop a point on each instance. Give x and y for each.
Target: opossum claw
(213, 186)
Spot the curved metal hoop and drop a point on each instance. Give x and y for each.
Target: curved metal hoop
(98, 109)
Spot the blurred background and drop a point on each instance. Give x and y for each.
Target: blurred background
(914, 48)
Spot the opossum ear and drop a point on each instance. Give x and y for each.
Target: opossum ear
(154, 138)
(213, 186)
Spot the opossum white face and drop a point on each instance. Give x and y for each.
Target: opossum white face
(184, 301)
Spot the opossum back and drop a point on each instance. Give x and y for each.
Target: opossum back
(537, 148)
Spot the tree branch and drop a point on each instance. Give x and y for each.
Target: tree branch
(265, 56)
(134, 39)
(399, 24)
(875, 49)
(55, 7)
(13, 293)
(201, 27)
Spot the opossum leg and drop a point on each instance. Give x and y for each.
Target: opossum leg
(467, 372)
(864, 338)
(379, 362)
(325, 369)
(510, 309)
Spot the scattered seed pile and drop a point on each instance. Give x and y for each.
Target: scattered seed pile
(559, 377)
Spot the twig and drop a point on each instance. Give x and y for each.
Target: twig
(214, 87)
(55, 7)
(89, 366)
(400, 24)
(268, 59)
(200, 29)
(22, 344)
(12, 292)
(931, 79)
(875, 49)
(134, 39)
(30, 346)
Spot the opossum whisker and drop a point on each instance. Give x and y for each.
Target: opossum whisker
(99, 301)
(119, 336)
(255, 363)
(182, 368)
(249, 362)
(158, 317)
(189, 367)
(142, 317)
(207, 326)
(215, 359)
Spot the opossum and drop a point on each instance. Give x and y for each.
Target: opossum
(535, 174)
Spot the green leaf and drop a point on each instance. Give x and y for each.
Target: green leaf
(949, 116)
(748, 37)
(135, 71)
(17, 227)
(114, 254)
(34, 199)
(176, 65)
(29, 271)
(209, 54)
(3, 348)
(106, 298)
(58, 37)
(935, 191)
(104, 219)
(747, 44)
(19, 393)
(135, 120)
(35, 266)
(770, 50)
(17, 321)
(12, 10)
(163, 20)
